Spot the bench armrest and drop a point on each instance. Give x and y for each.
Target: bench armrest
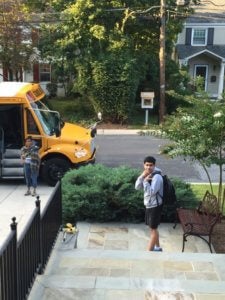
(197, 228)
(198, 208)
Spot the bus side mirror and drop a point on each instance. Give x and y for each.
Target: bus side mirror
(57, 132)
(57, 127)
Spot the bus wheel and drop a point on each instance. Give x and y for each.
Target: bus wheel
(53, 169)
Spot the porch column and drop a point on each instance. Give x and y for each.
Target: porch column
(221, 80)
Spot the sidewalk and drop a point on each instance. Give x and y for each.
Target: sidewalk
(120, 131)
(13, 203)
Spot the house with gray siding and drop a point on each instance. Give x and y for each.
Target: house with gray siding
(201, 47)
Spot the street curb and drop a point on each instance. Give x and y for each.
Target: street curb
(120, 131)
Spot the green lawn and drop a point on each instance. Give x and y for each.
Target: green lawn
(200, 189)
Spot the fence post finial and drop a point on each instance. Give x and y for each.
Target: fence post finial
(13, 224)
(37, 202)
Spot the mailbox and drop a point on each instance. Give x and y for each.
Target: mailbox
(147, 99)
(147, 103)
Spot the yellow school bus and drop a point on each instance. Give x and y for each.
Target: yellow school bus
(62, 145)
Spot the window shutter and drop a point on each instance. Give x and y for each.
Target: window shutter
(210, 36)
(188, 36)
(36, 72)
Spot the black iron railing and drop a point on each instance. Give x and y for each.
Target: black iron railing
(21, 260)
(51, 219)
(29, 253)
(8, 261)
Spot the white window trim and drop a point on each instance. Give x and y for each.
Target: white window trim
(192, 36)
(206, 75)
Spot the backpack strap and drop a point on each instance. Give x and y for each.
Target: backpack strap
(159, 173)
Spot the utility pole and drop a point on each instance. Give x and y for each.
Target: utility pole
(162, 39)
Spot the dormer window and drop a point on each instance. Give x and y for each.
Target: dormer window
(199, 37)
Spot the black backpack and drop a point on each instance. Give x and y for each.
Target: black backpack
(169, 193)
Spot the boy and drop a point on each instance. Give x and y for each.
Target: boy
(152, 183)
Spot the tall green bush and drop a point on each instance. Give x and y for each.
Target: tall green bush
(111, 83)
(99, 193)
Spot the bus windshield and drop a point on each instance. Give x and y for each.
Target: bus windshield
(50, 120)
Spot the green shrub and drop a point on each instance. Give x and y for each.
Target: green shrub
(99, 193)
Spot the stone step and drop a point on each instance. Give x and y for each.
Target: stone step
(122, 271)
(140, 273)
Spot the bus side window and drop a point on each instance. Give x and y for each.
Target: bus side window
(31, 125)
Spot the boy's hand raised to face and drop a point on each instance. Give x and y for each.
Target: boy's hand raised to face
(146, 175)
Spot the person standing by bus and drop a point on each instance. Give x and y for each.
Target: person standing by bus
(31, 161)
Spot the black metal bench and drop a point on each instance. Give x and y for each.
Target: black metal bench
(201, 221)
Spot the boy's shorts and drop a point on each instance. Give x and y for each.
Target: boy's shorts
(153, 216)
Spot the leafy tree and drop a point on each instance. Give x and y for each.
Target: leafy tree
(60, 56)
(110, 45)
(198, 132)
(15, 38)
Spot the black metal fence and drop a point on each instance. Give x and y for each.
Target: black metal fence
(21, 260)
(8, 262)
(51, 220)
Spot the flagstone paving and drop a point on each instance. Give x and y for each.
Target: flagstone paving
(111, 262)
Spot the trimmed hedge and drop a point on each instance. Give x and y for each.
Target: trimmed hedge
(101, 194)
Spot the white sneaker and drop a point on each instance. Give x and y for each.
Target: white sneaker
(159, 249)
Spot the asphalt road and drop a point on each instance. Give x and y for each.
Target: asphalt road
(117, 150)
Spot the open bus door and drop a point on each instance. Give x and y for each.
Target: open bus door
(11, 141)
